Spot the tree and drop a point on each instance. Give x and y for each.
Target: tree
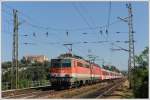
(143, 59)
(23, 60)
(140, 75)
(6, 65)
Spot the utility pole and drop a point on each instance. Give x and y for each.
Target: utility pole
(131, 45)
(15, 65)
(131, 59)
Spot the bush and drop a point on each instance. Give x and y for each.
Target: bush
(140, 78)
(23, 83)
(140, 75)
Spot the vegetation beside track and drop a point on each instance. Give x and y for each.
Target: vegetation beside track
(140, 79)
(30, 74)
(141, 75)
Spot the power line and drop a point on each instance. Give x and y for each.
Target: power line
(84, 19)
(94, 28)
(26, 22)
(108, 20)
(78, 42)
(47, 28)
(23, 15)
(89, 16)
(74, 43)
(120, 48)
(109, 15)
(63, 30)
(36, 26)
(39, 27)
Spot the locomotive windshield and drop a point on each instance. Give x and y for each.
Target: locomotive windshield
(66, 63)
(55, 62)
(61, 63)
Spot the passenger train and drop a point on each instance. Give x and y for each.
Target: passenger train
(71, 70)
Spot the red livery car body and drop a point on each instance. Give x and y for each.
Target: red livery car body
(72, 70)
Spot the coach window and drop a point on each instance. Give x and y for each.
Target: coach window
(79, 64)
(87, 66)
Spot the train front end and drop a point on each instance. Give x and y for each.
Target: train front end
(60, 72)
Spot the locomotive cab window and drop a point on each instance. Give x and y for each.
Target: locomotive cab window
(60, 63)
(55, 62)
(66, 63)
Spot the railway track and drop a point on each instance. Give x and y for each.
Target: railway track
(109, 90)
(48, 92)
(18, 93)
(102, 91)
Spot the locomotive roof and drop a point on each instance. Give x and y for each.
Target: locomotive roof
(69, 55)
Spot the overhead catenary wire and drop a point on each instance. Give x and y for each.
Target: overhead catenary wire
(89, 16)
(22, 35)
(108, 20)
(79, 12)
(34, 34)
(48, 28)
(23, 16)
(39, 26)
(74, 43)
(109, 15)
(34, 25)
(85, 42)
(25, 21)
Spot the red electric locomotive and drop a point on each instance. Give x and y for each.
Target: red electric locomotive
(72, 70)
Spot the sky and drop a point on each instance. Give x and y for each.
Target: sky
(84, 22)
